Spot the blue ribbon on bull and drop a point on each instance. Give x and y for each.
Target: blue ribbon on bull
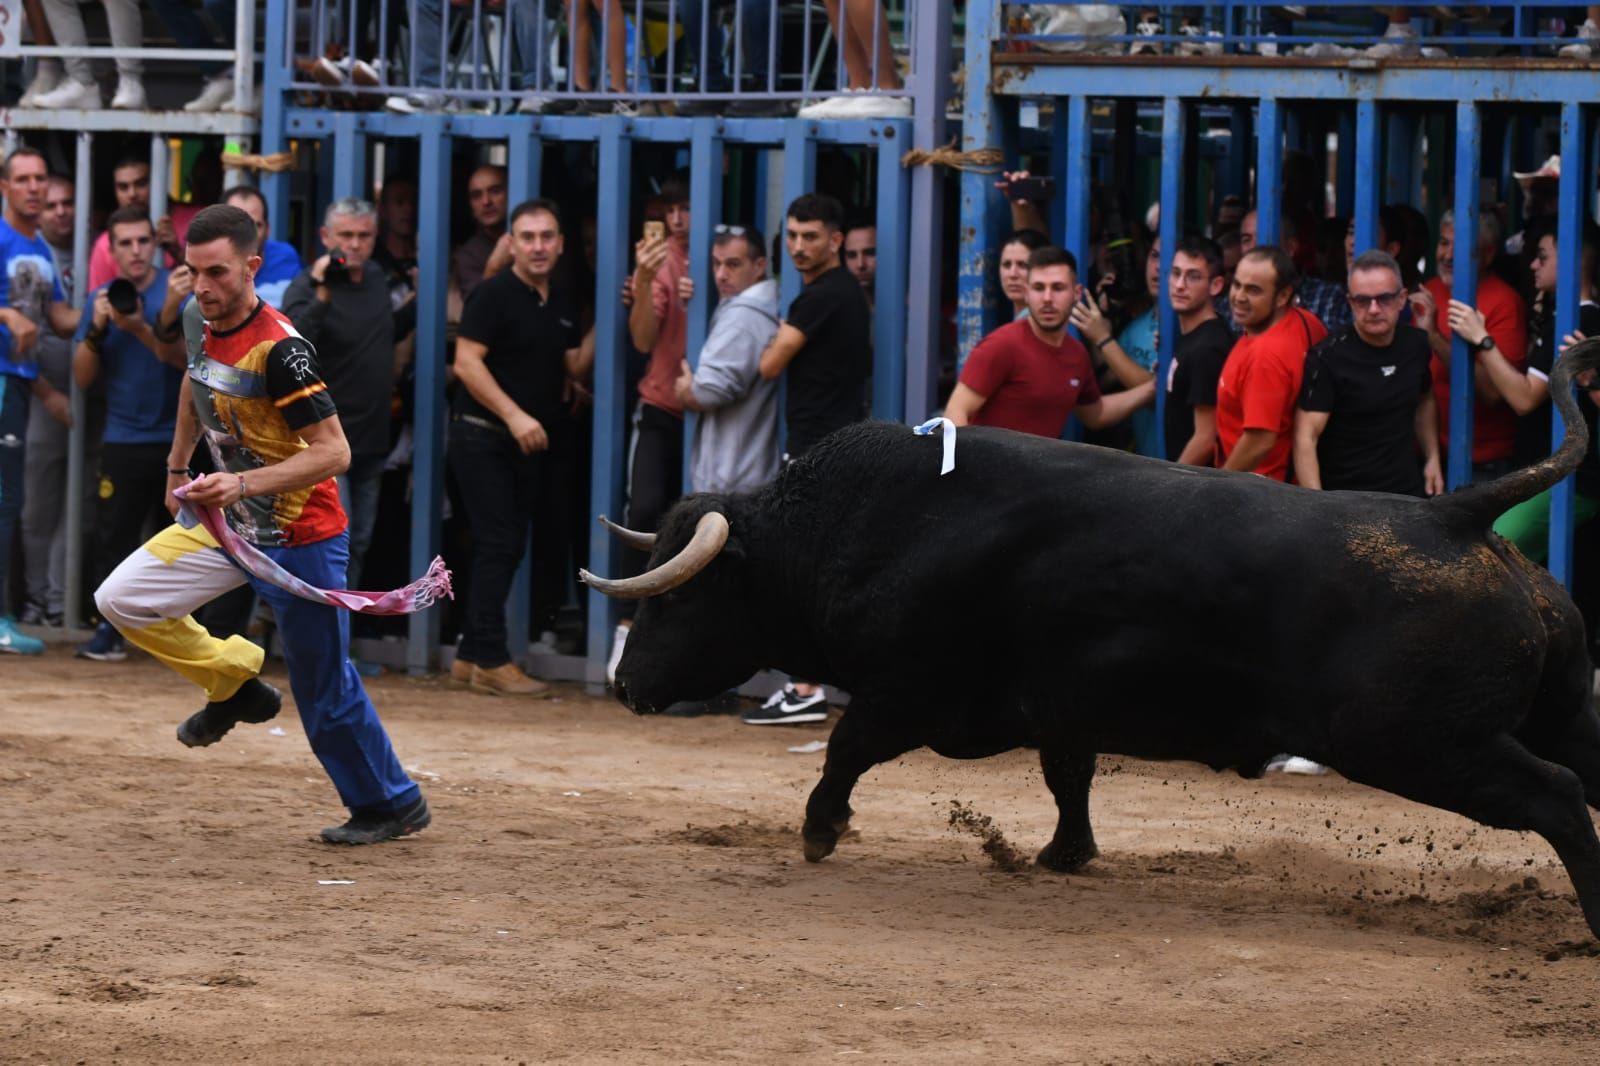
(926, 430)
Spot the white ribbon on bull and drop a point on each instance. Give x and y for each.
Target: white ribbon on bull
(926, 430)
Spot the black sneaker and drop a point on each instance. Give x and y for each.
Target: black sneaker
(726, 703)
(788, 707)
(106, 646)
(255, 702)
(370, 827)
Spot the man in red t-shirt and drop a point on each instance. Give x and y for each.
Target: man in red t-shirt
(1029, 375)
(1500, 321)
(1260, 382)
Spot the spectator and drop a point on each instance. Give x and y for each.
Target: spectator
(1131, 354)
(519, 341)
(861, 256)
(1391, 240)
(427, 48)
(44, 530)
(659, 325)
(1366, 418)
(1527, 525)
(130, 182)
(1587, 35)
(1030, 375)
(140, 374)
(488, 250)
(1200, 353)
(396, 253)
(1261, 380)
(78, 90)
(1014, 256)
(864, 29)
(31, 302)
(614, 46)
(701, 46)
(342, 307)
(191, 31)
(825, 344)
(1499, 321)
(279, 261)
(1324, 299)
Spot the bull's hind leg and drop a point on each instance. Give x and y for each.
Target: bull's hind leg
(1068, 773)
(1501, 784)
(1575, 744)
(863, 738)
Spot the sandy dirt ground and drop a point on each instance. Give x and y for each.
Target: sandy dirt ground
(598, 888)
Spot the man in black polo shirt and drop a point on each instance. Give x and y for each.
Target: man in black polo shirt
(1367, 418)
(1204, 341)
(518, 342)
(826, 346)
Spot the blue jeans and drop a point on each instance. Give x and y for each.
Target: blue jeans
(427, 42)
(358, 495)
(755, 23)
(15, 395)
(189, 32)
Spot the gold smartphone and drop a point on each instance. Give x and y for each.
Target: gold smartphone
(655, 231)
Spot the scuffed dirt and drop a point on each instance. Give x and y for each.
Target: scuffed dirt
(599, 888)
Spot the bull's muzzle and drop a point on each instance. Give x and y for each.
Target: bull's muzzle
(710, 534)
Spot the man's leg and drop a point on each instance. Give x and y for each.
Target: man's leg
(14, 397)
(44, 502)
(358, 494)
(486, 466)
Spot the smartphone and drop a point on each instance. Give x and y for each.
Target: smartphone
(1034, 190)
(655, 231)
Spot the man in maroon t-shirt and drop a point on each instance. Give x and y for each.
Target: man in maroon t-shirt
(1029, 375)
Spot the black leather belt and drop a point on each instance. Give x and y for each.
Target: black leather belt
(484, 423)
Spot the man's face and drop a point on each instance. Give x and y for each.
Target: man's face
(1051, 290)
(1191, 285)
(1544, 264)
(1152, 270)
(861, 254)
(398, 208)
(536, 243)
(251, 206)
(354, 236)
(1247, 233)
(60, 213)
(133, 246)
(132, 184)
(1014, 271)
(486, 195)
(811, 245)
(25, 187)
(1376, 299)
(1255, 297)
(222, 274)
(736, 266)
(677, 220)
(1444, 254)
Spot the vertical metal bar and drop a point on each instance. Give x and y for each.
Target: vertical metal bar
(805, 46)
(524, 159)
(610, 405)
(932, 43)
(433, 256)
(1465, 288)
(244, 47)
(1401, 158)
(276, 74)
(1368, 158)
(1173, 120)
(980, 129)
(737, 80)
(1569, 248)
(1060, 164)
(772, 49)
(76, 444)
(349, 155)
(889, 355)
(1269, 170)
(799, 177)
(1344, 191)
(705, 211)
(877, 21)
(160, 178)
(1078, 178)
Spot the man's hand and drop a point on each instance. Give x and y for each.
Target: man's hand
(576, 395)
(1569, 340)
(167, 237)
(627, 291)
(1090, 322)
(24, 331)
(102, 313)
(686, 288)
(213, 490)
(528, 433)
(683, 387)
(180, 285)
(173, 481)
(319, 276)
(650, 255)
(1425, 311)
(58, 405)
(499, 257)
(1432, 477)
(1466, 322)
(133, 323)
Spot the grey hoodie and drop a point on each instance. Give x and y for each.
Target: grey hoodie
(736, 439)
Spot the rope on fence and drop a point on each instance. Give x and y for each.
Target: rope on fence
(980, 160)
(275, 163)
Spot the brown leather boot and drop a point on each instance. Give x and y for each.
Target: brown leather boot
(507, 679)
(461, 671)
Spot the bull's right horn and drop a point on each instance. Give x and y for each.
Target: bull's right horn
(645, 542)
(710, 534)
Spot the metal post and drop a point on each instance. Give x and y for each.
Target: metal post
(610, 405)
(931, 46)
(1465, 289)
(84, 180)
(433, 255)
(276, 73)
(1077, 178)
(1173, 121)
(1269, 170)
(244, 71)
(890, 371)
(705, 211)
(1344, 193)
(799, 178)
(1569, 247)
(980, 129)
(524, 159)
(160, 177)
(1368, 157)
(1400, 181)
(350, 157)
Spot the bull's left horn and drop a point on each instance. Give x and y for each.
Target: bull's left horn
(645, 542)
(710, 534)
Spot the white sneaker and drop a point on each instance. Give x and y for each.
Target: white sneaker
(70, 95)
(1297, 765)
(45, 77)
(1200, 43)
(618, 641)
(1582, 48)
(533, 103)
(1399, 42)
(870, 105)
(829, 107)
(1146, 28)
(129, 95)
(217, 94)
(415, 103)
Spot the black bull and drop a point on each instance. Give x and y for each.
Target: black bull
(1086, 600)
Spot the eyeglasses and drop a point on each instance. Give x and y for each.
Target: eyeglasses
(1382, 299)
(722, 230)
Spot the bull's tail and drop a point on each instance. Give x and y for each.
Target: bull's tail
(1487, 502)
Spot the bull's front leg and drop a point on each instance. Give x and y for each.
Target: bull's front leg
(862, 739)
(1068, 772)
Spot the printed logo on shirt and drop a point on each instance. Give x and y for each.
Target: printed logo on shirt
(1075, 382)
(1388, 371)
(298, 362)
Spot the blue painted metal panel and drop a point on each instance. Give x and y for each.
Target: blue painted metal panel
(1269, 169)
(980, 129)
(275, 76)
(349, 158)
(889, 356)
(1077, 179)
(524, 164)
(1569, 241)
(1469, 138)
(705, 212)
(1368, 169)
(799, 178)
(1173, 121)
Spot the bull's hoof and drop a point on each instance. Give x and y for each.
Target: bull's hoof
(820, 845)
(1065, 858)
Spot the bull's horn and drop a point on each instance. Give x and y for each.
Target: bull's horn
(645, 542)
(710, 534)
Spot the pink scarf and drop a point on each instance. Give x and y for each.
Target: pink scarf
(417, 596)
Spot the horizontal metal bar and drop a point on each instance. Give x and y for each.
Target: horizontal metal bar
(199, 55)
(108, 121)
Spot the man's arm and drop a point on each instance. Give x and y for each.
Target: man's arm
(579, 361)
(644, 325)
(326, 454)
(474, 373)
(1109, 410)
(63, 319)
(1308, 427)
(1202, 447)
(964, 403)
(185, 434)
(781, 352)
(1096, 330)
(1522, 392)
(1426, 424)
(1253, 447)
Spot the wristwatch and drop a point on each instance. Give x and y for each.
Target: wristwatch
(1485, 344)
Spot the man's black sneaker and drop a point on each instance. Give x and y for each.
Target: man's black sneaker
(255, 702)
(725, 703)
(369, 827)
(788, 707)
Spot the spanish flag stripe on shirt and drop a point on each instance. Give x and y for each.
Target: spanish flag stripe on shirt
(309, 390)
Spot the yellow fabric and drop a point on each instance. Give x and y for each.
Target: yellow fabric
(174, 542)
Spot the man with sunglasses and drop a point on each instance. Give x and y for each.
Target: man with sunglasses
(1367, 419)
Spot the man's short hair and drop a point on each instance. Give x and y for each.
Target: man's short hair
(224, 222)
(1286, 274)
(1198, 246)
(1050, 256)
(856, 222)
(529, 207)
(1490, 233)
(755, 243)
(61, 179)
(18, 153)
(1376, 259)
(348, 207)
(1031, 239)
(675, 190)
(247, 190)
(124, 216)
(817, 207)
(130, 160)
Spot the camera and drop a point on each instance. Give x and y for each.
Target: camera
(124, 297)
(337, 272)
